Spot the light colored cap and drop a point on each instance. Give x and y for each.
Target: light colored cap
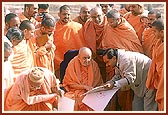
(36, 75)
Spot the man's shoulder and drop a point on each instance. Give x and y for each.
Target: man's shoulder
(22, 16)
(127, 15)
(76, 19)
(75, 24)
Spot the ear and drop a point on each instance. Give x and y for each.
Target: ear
(7, 25)
(161, 33)
(42, 28)
(25, 30)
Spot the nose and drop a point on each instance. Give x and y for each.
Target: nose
(88, 60)
(66, 16)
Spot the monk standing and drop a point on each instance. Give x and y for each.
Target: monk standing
(84, 15)
(34, 90)
(28, 29)
(106, 7)
(93, 33)
(68, 35)
(120, 34)
(29, 13)
(125, 9)
(23, 55)
(148, 36)
(43, 9)
(94, 28)
(81, 75)
(155, 78)
(44, 44)
(133, 17)
(11, 20)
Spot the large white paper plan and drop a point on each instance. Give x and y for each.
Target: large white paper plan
(99, 100)
(65, 104)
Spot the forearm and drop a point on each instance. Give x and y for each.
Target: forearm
(122, 82)
(39, 98)
(77, 86)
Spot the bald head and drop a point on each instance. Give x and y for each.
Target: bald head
(85, 13)
(96, 10)
(97, 15)
(113, 14)
(85, 50)
(83, 8)
(85, 55)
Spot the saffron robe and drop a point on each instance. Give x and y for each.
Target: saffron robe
(67, 37)
(148, 42)
(79, 20)
(22, 58)
(156, 73)
(93, 33)
(45, 57)
(136, 24)
(21, 98)
(78, 74)
(122, 37)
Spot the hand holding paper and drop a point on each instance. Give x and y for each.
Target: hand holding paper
(108, 85)
(96, 89)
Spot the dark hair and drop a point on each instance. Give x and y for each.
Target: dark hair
(15, 33)
(26, 24)
(111, 5)
(64, 7)
(48, 22)
(27, 5)
(47, 15)
(157, 13)
(110, 53)
(108, 4)
(9, 16)
(158, 24)
(43, 6)
(100, 52)
(113, 14)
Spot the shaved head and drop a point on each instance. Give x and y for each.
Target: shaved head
(84, 13)
(95, 10)
(85, 50)
(96, 15)
(84, 56)
(84, 8)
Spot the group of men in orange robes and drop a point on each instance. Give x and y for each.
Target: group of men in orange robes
(93, 29)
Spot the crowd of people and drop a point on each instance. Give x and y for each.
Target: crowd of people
(116, 48)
